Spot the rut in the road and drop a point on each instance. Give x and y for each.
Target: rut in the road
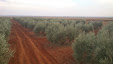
(27, 52)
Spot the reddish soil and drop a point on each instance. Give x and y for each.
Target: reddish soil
(30, 49)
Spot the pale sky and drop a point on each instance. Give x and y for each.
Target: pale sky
(57, 7)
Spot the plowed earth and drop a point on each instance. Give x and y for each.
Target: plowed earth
(30, 49)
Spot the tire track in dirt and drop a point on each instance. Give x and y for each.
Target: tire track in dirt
(36, 58)
(27, 52)
(41, 53)
(33, 48)
(22, 58)
(37, 45)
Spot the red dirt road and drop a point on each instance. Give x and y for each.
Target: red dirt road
(30, 50)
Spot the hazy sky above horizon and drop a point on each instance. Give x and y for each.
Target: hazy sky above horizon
(57, 7)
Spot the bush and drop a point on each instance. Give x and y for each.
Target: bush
(5, 26)
(96, 24)
(87, 27)
(26, 22)
(84, 27)
(80, 21)
(69, 28)
(84, 47)
(71, 32)
(40, 27)
(108, 27)
(104, 51)
(91, 49)
(31, 24)
(5, 52)
(56, 33)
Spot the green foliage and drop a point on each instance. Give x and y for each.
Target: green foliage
(31, 24)
(104, 51)
(68, 29)
(80, 21)
(71, 32)
(5, 26)
(5, 52)
(56, 33)
(87, 27)
(96, 24)
(27, 22)
(84, 27)
(91, 49)
(88, 47)
(60, 32)
(40, 27)
(109, 28)
(84, 47)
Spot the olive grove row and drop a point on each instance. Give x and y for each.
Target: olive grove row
(5, 52)
(59, 30)
(88, 47)
(93, 49)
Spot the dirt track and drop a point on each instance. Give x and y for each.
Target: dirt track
(29, 49)
(26, 50)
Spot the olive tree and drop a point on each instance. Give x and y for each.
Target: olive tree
(84, 27)
(71, 32)
(96, 24)
(104, 51)
(91, 49)
(84, 47)
(56, 33)
(5, 52)
(40, 27)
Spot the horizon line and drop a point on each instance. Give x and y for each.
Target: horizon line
(54, 16)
